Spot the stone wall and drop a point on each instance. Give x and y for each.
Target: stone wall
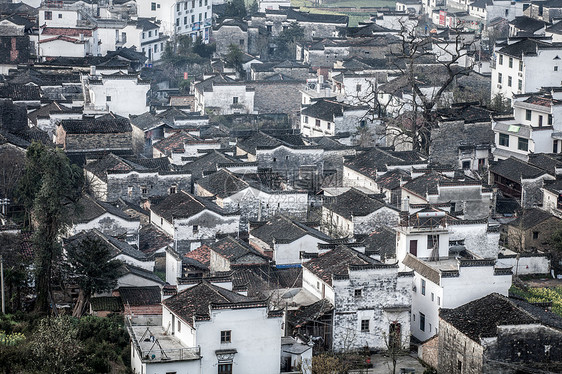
(97, 142)
(277, 97)
(227, 35)
(137, 186)
(455, 348)
(428, 352)
(381, 290)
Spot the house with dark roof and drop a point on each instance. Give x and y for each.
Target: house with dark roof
(363, 170)
(498, 334)
(118, 249)
(47, 117)
(213, 327)
(252, 196)
(518, 60)
(91, 135)
(355, 285)
(284, 240)
(147, 129)
(93, 214)
(213, 161)
(228, 253)
(182, 145)
(140, 301)
(220, 94)
(531, 231)
(134, 179)
(192, 219)
(354, 212)
(330, 118)
(520, 180)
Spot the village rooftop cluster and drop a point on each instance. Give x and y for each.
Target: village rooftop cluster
(301, 185)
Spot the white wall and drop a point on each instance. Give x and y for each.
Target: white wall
(255, 336)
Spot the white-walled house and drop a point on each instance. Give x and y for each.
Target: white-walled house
(192, 17)
(443, 277)
(354, 212)
(123, 94)
(223, 95)
(66, 31)
(536, 127)
(207, 329)
(91, 214)
(284, 240)
(525, 65)
(371, 299)
(186, 217)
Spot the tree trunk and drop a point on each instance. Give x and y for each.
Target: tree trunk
(81, 304)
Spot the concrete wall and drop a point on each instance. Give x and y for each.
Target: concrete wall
(255, 336)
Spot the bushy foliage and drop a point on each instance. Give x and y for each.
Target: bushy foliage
(541, 295)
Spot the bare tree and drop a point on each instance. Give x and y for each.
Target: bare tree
(426, 69)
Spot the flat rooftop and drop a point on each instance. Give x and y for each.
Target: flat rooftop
(154, 344)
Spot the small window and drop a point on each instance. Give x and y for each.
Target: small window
(225, 369)
(235, 100)
(226, 336)
(465, 166)
(185, 20)
(556, 68)
(179, 326)
(423, 287)
(241, 42)
(274, 159)
(535, 235)
(519, 84)
(504, 140)
(177, 24)
(60, 16)
(305, 120)
(501, 60)
(193, 18)
(152, 6)
(318, 285)
(523, 144)
(161, 221)
(438, 300)
(540, 120)
(528, 114)
(555, 146)
(520, 65)
(318, 122)
(358, 88)
(144, 190)
(108, 98)
(499, 78)
(173, 189)
(432, 296)
(195, 229)
(550, 119)
(358, 292)
(48, 15)
(422, 321)
(509, 81)
(178, 5)
(364, 325)
(143, 35)
(200, 17)
(511, 62)
(185, 5)
(459, 366)
(329, 125)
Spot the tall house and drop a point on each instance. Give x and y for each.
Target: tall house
(525, 66)
(193, 18)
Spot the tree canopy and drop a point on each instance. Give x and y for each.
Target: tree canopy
(49, 189)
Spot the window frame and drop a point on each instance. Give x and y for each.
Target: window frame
(503, 140)
(226, 336)
(365, 325)
(524, 141)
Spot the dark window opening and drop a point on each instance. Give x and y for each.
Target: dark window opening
(226, 336)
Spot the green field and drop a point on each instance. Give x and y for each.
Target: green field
(354, 17)
(538, 295)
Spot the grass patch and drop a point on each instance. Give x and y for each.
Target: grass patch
(541, 295)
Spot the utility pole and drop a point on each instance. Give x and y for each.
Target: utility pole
(2, 282)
